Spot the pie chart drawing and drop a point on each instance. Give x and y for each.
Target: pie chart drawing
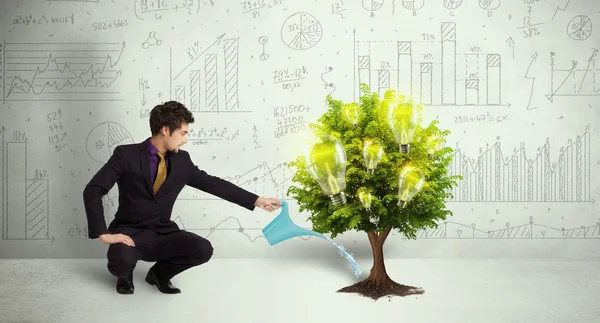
(301, 31)
(103, 139)
(579, 28)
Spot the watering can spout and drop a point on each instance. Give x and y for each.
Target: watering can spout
(282, 228)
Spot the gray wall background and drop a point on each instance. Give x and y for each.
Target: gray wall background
(517, 83)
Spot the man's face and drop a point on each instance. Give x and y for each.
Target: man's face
(177, 138)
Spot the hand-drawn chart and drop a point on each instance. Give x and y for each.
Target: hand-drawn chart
(582, 79)
(104, 138)
(25, 207)
(209, 81)
(579, 28)
(301, 31)
(412, 68)
(492, 177)
(508, 231)
(61, 71)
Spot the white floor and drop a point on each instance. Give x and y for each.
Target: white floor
(290, 291)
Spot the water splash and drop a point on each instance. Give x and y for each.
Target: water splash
(348, 257)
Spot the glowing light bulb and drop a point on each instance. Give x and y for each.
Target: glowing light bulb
(326, 163)
(410, 182)
(403, 120)
(366, 199)
(372, 153)
(351, 113)
(433, 144)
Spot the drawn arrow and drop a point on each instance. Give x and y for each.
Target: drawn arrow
(533, 59)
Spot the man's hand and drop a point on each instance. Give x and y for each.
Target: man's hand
(116, 238)
(268, 203)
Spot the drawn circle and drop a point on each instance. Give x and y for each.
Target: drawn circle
(263, 40)
(452, 4)
(372, 5)
(489, 4)
(264, 56)
(413, 4)
(301, 31)
(579, 28)
(103, 138)
(145, 45)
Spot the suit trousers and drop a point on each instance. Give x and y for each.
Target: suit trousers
(173, 253)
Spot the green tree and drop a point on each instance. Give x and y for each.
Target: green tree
(384, 214)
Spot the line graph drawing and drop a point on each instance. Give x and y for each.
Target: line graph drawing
(264, 178)
(414, 69)
(529, 230)
(492, 177)
(445, 230)
(104, 138)
(27, 198)
(61, 71)
(210, 81)
(574, 81)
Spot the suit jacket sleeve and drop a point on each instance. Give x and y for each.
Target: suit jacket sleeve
(219, 187)
(99, 186)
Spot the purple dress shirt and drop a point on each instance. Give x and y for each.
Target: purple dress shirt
(154, 160)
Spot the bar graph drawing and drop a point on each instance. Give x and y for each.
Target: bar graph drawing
(209, 82)
(492, 177)
(25, 213)
(61, 71)
(430, 71)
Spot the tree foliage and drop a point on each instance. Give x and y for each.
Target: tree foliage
(427, 207)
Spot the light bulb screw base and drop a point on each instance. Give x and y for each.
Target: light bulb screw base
(370, 171)
(401, 204)
(338, 199)
(405, 149)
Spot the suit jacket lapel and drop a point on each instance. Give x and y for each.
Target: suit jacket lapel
(145, 164)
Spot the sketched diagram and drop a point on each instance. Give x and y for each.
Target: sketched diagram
(152, 40)
(413, 4)
(415, 69)
(209, 81)
(508, 231)
(581, 79)
(301, 31)
(489, 4)
(372, 5)
(452, 4)
(25, 200)
(579, 28)
(103, 138)
(62, 71)
(496, 177)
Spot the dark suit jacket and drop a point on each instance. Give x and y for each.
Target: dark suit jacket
(138, 208)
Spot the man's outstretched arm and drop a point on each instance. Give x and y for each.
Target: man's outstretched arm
(221, 188)
(99, 186)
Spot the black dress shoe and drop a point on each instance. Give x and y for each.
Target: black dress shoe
(125, 285)
(163, 286)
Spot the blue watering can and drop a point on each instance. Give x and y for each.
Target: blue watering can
(282, 228)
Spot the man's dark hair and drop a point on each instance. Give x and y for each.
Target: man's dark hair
(171, 114)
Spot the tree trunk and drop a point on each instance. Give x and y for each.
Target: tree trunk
(378, 283)
(378, 275)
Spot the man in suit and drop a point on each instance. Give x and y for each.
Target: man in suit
(150, 175)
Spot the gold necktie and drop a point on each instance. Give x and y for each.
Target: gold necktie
(161, 174)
